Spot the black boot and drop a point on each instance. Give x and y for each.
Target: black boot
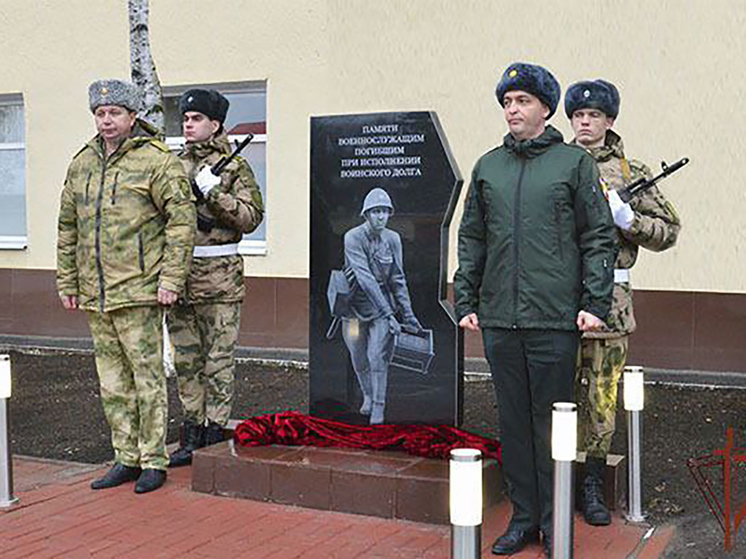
(214, 433)
(194, 436)
(594, 509)
(150, 480)
(514, 540)
(118, 475)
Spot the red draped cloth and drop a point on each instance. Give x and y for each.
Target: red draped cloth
(293, 428)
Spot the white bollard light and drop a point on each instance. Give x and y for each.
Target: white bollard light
(634, 389)
(465, 497)
(634, 402)
(5, 387)
(564, 453)
(6, 464)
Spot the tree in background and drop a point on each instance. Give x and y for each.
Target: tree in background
(144, 74)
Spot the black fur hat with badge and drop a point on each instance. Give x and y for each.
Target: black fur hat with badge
(532, 79)
(596, 94)
(206, 101)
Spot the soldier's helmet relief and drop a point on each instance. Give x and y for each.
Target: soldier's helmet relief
(377, 198)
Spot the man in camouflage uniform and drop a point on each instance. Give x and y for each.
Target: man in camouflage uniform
(125, 237)
(204, 324)
(648, 221)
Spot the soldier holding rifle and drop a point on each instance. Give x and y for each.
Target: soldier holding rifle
(645, 220)
(204, 324)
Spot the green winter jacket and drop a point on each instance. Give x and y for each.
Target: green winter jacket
(536, 241)
(126, 224)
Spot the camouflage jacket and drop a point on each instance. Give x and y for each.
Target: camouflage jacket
(233, 208)
(126, 224)
(655, 227)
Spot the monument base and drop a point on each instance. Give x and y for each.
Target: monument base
(615, 482)
(374, 483)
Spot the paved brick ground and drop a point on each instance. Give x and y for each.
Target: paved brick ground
(59, 516)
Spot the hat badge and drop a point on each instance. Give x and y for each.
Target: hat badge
(587, 93)
(190, 99)
(513, 73)
(104, 91)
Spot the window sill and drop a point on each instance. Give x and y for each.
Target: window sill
(13, 243)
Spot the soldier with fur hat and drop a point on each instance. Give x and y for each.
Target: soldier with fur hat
(536, 248)
(648, 221)
(125, 237)
(204, 324)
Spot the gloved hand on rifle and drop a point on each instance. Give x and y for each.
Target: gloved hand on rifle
(621, 211)
(206, 181)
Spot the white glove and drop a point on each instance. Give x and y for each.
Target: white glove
(622, 212)
(206, 181)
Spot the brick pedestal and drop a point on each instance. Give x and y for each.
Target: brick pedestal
(374, 483)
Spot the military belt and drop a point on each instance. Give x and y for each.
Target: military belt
(212, 251)
(621, 275)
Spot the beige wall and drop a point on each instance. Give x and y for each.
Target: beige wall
(678, 66)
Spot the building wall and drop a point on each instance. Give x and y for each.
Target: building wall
(680, 96)
(678, 329)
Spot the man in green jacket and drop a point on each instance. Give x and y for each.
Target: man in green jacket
(125, 237)
(536, 255)
(204, 324)
(648, 221)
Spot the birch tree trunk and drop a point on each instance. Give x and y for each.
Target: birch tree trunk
(144, 75)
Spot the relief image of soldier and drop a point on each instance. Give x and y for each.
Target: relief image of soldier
(380, 303)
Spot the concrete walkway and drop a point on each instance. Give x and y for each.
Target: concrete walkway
(60, 516)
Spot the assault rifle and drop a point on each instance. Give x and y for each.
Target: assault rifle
(642, 184)
(224, 161)
(205, 223)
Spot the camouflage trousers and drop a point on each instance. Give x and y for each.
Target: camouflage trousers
(204, 337)
(129, 359)
(600, 365)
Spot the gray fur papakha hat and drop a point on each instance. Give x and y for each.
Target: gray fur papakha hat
(113, 92)
(596, 94)
(532, 79)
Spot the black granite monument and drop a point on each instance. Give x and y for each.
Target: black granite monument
(383, 190)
